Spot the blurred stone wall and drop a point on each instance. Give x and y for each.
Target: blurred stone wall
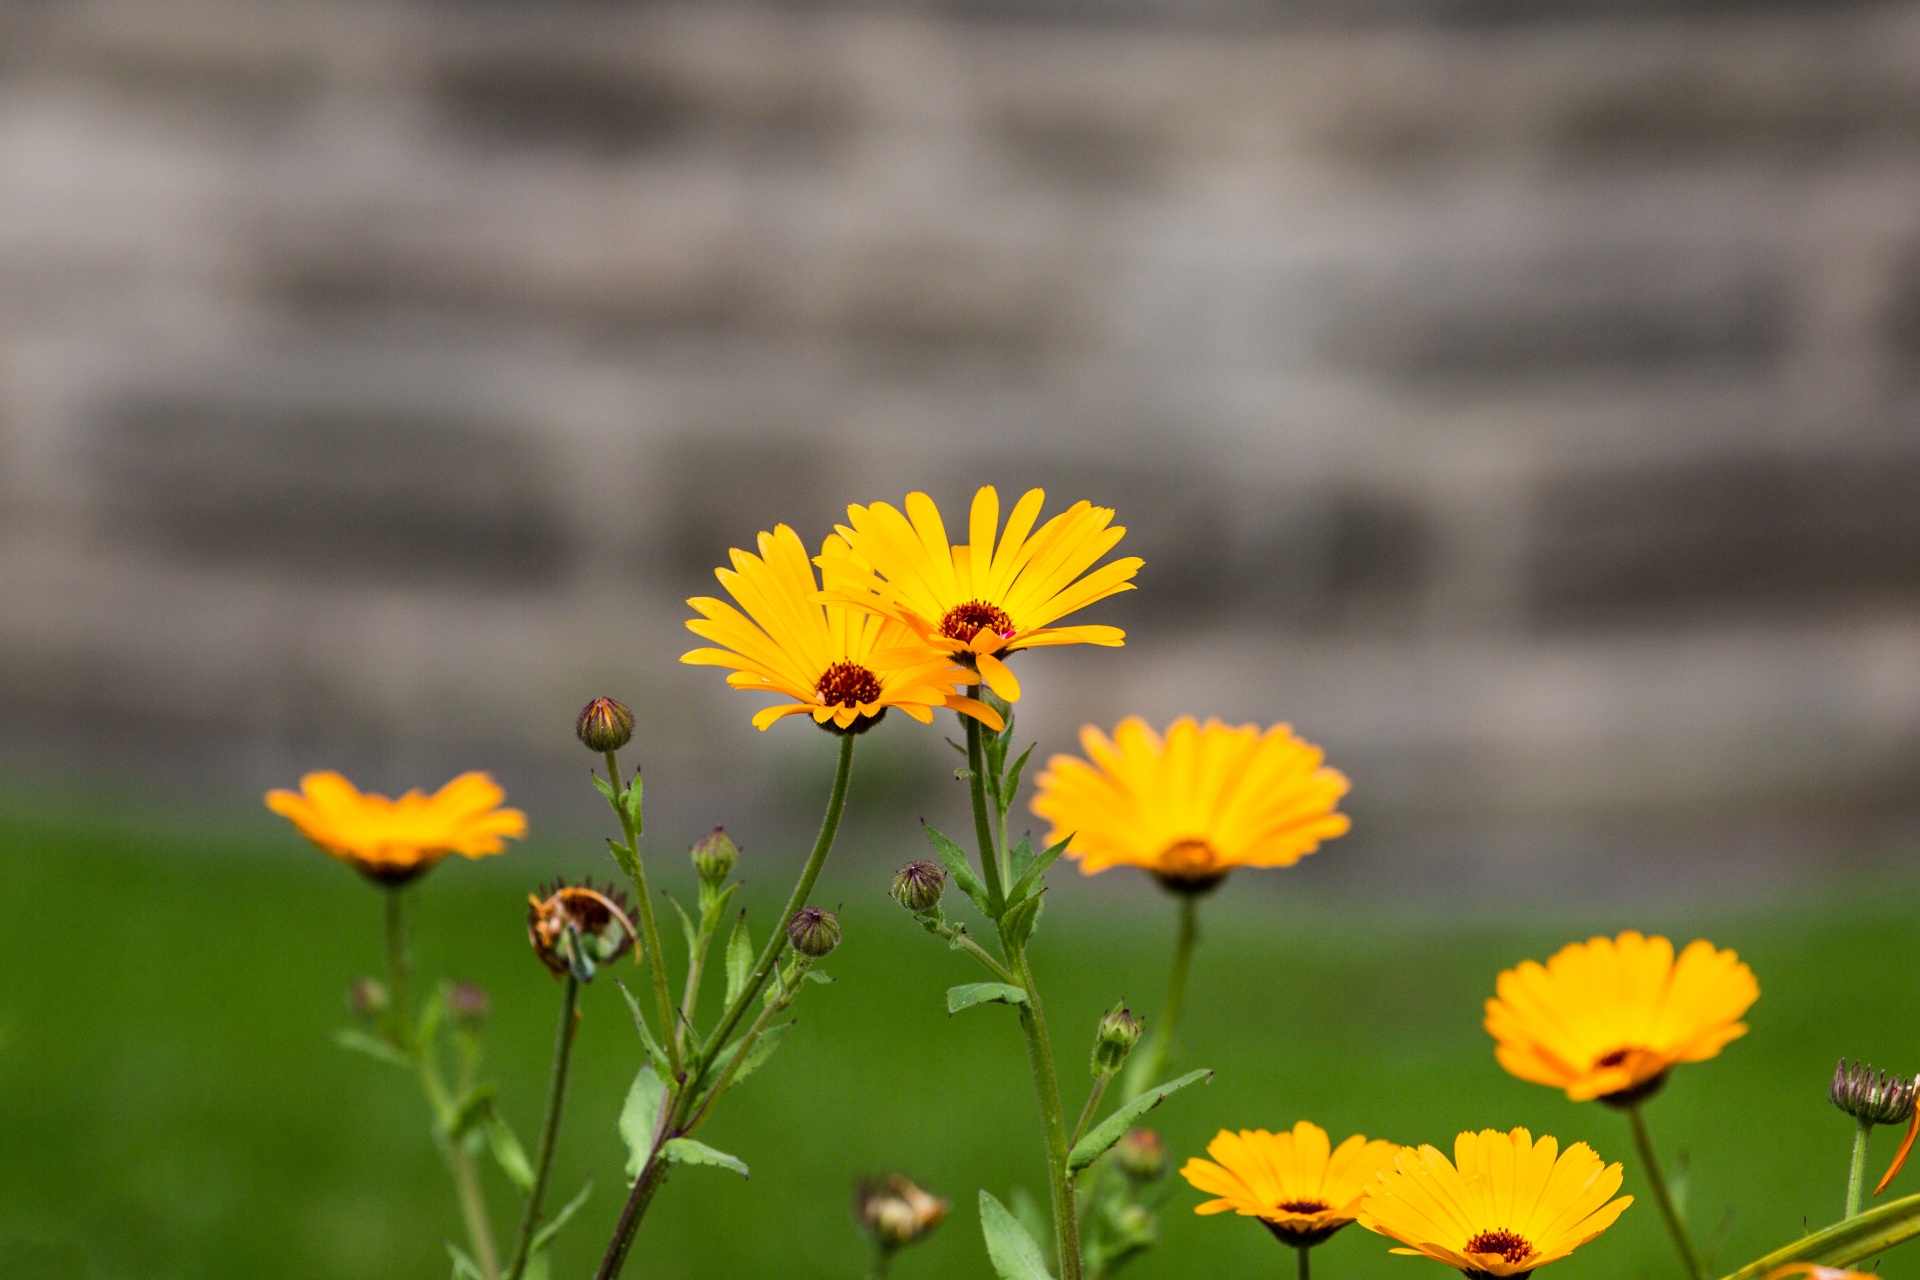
(1520, 399)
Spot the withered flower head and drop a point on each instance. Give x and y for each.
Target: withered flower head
(1869, 1096)
(578, 927)
(893, 1212)
(814, 932)
(604, 725)
(919, 885)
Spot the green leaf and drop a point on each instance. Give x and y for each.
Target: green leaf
(605, 788)
(551, 1227)
(631, 803)
(955, 860)
(1014, 1253)
(710, 916)
(1021, 919)
(464, 1268)
(373, 1046)
(652, 1046)
(1115, 1126)
(470, 1109)
(639, 1117)
(624, 855)
(539, 1267)
(815, 975)
(970, 994)
(1032, 1216)
(1012, 782)
(509, 1154)
(687, 931)
(687, 1151)
(1031, 876)
(739, 959)
(1845, 1243)
(1019, 858)
(430, 1015)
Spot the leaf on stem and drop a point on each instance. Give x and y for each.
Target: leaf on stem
(1012, 782)
(1021, 919)
(739, 959)
(551, 1228)
(756, 1057)
(605, 788)
(815, 975)
(969, 994)
(1845, 1243)
(470, 1109)
(1013, 1251)
(687, 930)
(464, 1268)
(710, 918)
(1030, 878)
(688, 1151)
(630, 804)
(373, 1046)
(640, 1116)
(509, 1154)
(624, 855)
(1115, 1126)
(954, 858)
(652, 1046)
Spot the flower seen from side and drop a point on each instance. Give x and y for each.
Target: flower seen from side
(1610, 1017)
(895, 1213)
(843, 666)
(1192, 806)
(1505, 1205)
(998, 593)
(578, 927)
(392, 841)
(1297, 1183)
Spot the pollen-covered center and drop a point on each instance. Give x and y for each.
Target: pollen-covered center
(1613, 1058)
(1189, 860)
(1303, 1206)
(1505, 1243)
(965, 621)
(847, 684)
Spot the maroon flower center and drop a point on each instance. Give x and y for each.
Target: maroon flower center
(1613, 1059)
(1508, 1245)
(1303, 1206)
(965, 621)
(848, 684)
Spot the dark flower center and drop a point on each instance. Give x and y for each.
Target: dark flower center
(848, 684)
(1303, 1206)
(1612, 1059)
(1508, 1245)
(965, 621)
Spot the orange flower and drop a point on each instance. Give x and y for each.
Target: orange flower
(392, 841)
(1295, 1181)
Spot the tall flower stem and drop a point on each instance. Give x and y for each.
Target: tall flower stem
(632, 1213)
(1857, 1170)
(1662, 1199)
(982, 819)
(656, 960)
(550, 1127)
(1306, 1267)
(1087, 1112)
(1146, 1070)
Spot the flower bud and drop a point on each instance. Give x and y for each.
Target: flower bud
(1119, 1032)
(368, 1000)
(813, 932)
(919, 885)
(604, 725)
(1141, 1155)
(714, 857)
(468, 1005)
(1869, 1096)
(893, 1212)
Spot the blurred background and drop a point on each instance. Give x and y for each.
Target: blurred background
(1516, 397)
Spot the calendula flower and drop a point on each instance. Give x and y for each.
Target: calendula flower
(1295, 1182)
(1194, 805)
(392, 841)
(1503, 1206)
(998, 593)
(1608, 1018)
(578, 927)
(843, 666)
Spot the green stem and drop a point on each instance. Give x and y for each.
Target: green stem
(1857, 1171)
(1148, 1068)
(550, 1127)
(783, 997)
(960, 938)
(982, 820)
(1087, 1112)
(656, 959)
(651, 1176)
(1657, 1181)
(882, 1264)
(1046, 1085)
(1306, 1268)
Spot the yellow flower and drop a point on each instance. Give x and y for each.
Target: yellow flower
(986, 598)
(392, 841)
(842, 666)
(1192, 806)
(1294, 1182)
(1502, 1207)
(1608, 1018)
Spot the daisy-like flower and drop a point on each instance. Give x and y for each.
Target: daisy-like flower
(843, 666)
(1192, 806)
(392, 841)
(1295, 1182)
(1503, 1206)
(999, 593)
(1608, 1018)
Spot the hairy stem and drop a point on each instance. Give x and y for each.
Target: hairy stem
(1857, 1170)
(1657, 1181)
(656, 960)
(1092, 1108)
(651, 1176)
(1046, 1085)
(982, 819)
(550, 1126)
(1146, 1070)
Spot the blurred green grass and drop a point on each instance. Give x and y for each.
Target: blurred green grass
(171, 1101)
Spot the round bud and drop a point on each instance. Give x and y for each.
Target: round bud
(604, 725)
(468, 1005)
(1119, 1031)
(918, 886)
(1141, 1155)
(1869, 1096)
(367, 999)
(813, 932)
(714, 857)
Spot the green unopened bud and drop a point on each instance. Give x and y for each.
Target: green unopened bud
(604, 725)
(1119, 1032)
(1869, 1096)
(813, 932)
(714, 857)
(468, 1005)
(919, 885)
(368, 1000)
(1141, 1155)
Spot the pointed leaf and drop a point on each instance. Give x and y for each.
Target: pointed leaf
(739, 959)
(551, 1227)
(373, 1046)
(1014, 1253)
(1845, 1243)
(640, 1024)
(509, 1154)
(464, 1268)
(1019, 858)
(970, 994)
(1031, 876)
(1021, 919)
(1012, 784)
(954, 858)
(605, 788)
(624, 855)
(471, 1108)
(762, 1050)
(631, 803)
(710, 917)
(687, 930)
(1115, 1126)
(640, 1116)
(815, 975)
(687, 1151)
